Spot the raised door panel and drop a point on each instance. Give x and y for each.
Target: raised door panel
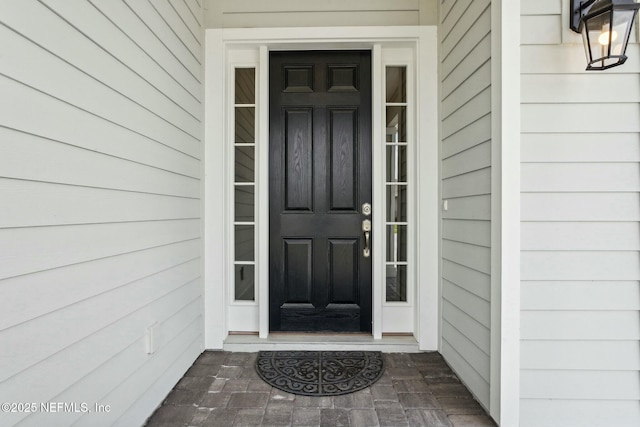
(343, 158)
(299, 159)
(343, 271)
(298, 270)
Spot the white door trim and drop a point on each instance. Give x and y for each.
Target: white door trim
(424, 42)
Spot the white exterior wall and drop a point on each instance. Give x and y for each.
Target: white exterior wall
(580, 145)
(465, 114)
(314, 13)
(100, 142)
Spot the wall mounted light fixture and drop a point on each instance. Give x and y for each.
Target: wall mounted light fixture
(605, 26)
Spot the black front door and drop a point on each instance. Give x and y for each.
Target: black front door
(320, 176)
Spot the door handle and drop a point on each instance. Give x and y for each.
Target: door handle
(366, 227)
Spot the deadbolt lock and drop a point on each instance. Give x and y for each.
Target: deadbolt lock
(366, 209)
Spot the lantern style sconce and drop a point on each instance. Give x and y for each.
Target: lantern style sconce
(605, 26)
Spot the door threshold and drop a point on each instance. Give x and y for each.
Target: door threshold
(289, 341)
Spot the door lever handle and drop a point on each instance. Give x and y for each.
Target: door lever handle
(366, 227)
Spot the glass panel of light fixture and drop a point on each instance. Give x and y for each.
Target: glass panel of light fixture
(622, 20)
(396, 124)
(245, 164)
(245, 86)
(396, 82)
(397, 163)
(244, 203)
(396, 243)
(244, 240)
(396, 283)
(245, 283)
(598, 28)
(396, 203)
(245, 125)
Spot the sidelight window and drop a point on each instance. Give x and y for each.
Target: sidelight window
(396, 181)
(244, 149)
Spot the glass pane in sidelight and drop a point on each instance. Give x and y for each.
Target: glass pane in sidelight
(397, 163)
(244, 203)
(396, 81)
(396, 283)
(245, 283)
(396, 243)
(396, 203)
(245, 164)
(244, 240)
(245, 86)
(396, 124)
(245, 131)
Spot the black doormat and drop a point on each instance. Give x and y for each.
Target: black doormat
(320, 373)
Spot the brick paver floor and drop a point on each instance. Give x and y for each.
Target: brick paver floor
(223, 389)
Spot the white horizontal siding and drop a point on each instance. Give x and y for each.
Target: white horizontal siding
(468, 88)
(540, 7)
(46, 248)
(473, 159)
(581, 295)
(470, 329)
(465, 70)
(580, 235)
(569, 59)
(151, 45)
(466, 371)
(596, 117)
(253, 6)
(473, 354)
(67, 124)
(605, 206)
(469, 136)
(540, 29)
(469, 41)
(473, 281)
(467, 184)
(468, 302)
(588, 385)
(578, 88)
(32, 203)
(470, 112)
(575, 355)
(96, 314)
(39, 159)
(100, 130)
(580, 177)
(35, 294)
(581, 325)
(168, 32)
(110, 64)
(580, 265)
(320, 19)
(579, 412)
(467, 231)
(581, 147)
(472, 256)
(469, 208)
(309, 13)
(464, 20)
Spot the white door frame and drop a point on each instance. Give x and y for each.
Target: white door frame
(423, 40)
